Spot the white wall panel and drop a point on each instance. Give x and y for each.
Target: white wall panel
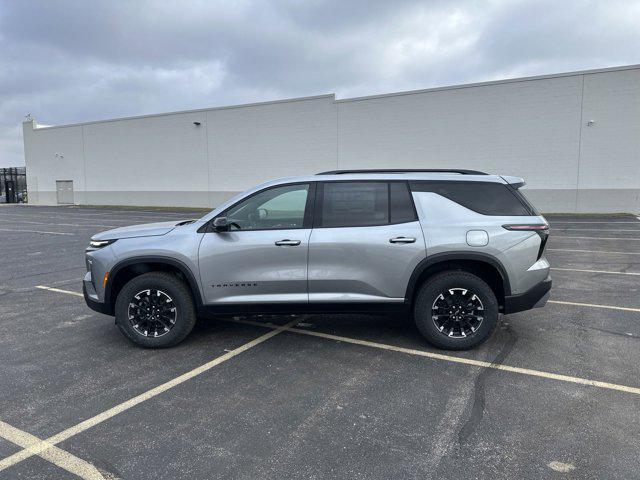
(53, 154)
(528, 129)
(610, 151)
(253, 144)
(158, 153)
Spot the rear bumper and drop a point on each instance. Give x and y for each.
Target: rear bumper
(535, 297)
(94, 304)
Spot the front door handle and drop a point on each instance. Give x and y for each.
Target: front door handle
(288, 243)
(402, 240)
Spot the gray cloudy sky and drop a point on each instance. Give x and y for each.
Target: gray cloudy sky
(74, 61)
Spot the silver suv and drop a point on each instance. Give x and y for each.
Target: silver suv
(453, 248)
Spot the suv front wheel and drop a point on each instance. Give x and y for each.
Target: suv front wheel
(455, 310)
(155, 310)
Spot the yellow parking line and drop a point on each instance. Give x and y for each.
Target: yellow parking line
(562, 229)
(594, 271)
(45, 445)
(596, 238)
(53, 454)
(455, 359)
(632, 222)
(589, 251)
(595, 305)
(59, 290)
(34, 231)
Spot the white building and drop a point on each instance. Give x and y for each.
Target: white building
(574, 137)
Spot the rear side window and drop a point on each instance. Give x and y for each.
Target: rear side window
(487, 198)
(364, 204)
(354, 204)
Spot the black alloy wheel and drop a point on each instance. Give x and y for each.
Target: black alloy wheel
(152, 313)
(457, 312)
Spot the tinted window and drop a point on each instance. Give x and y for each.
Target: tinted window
(523, 198)
(276, 208)
(354, 204)
(400, 203)
(483, 197)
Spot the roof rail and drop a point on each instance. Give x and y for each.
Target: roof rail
(396, 170)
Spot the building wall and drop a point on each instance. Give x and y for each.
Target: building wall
(609, 169)
(575, 138)
(527, 129)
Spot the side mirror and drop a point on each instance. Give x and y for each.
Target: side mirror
(221, 224)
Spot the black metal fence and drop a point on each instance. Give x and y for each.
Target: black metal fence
(13, 185)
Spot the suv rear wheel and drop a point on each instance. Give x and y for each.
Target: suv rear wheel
(455, 310)
(155, 310)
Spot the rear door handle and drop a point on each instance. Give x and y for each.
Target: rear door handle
(402, 240)
(288, 243)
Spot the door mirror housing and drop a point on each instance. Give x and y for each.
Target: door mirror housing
(221, 224)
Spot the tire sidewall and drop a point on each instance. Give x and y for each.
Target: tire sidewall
(182, 299)
(442, 282)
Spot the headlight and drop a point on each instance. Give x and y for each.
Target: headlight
(96, 244)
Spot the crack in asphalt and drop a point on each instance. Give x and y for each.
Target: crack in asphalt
(478, 406)
(610, 332)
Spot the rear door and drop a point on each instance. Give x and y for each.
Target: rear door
(365, 243)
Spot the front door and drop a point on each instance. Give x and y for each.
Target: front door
(365, 244)
(64, 191)
(263, 257)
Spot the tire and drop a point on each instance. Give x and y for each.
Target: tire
(465, 298)
(167, 313)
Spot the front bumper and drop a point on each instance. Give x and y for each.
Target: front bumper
(535, 297)
(91, 298)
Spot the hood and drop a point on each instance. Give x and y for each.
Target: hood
(144, 230)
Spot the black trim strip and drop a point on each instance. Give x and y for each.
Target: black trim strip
(318, 307)
(528, 299)
(453, 256)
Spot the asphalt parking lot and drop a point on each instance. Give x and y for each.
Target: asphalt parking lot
(555, 393)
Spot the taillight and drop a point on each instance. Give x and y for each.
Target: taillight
(542, 229)
(536, 227)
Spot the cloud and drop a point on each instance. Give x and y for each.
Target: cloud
(69, 61)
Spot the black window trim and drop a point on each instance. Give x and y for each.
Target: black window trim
(319, 192)
(415, 186)
(309, 210)
(413, 203)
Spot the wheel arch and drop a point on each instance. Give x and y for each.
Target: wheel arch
(483, 265)
(130, 268)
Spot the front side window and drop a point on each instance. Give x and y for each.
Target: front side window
(277, 208)
(354, 204)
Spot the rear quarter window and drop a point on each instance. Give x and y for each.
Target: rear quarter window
(487, 198)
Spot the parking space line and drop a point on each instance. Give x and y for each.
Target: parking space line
(59, 290)
(125, 219)
(53, 454)
(34, 231)
(594, 271)
(632, 222)
(45, 445)
(596, 238)
(590, 251)
(595, 305)
(598, 229)
(453, 359)
(59, 224)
